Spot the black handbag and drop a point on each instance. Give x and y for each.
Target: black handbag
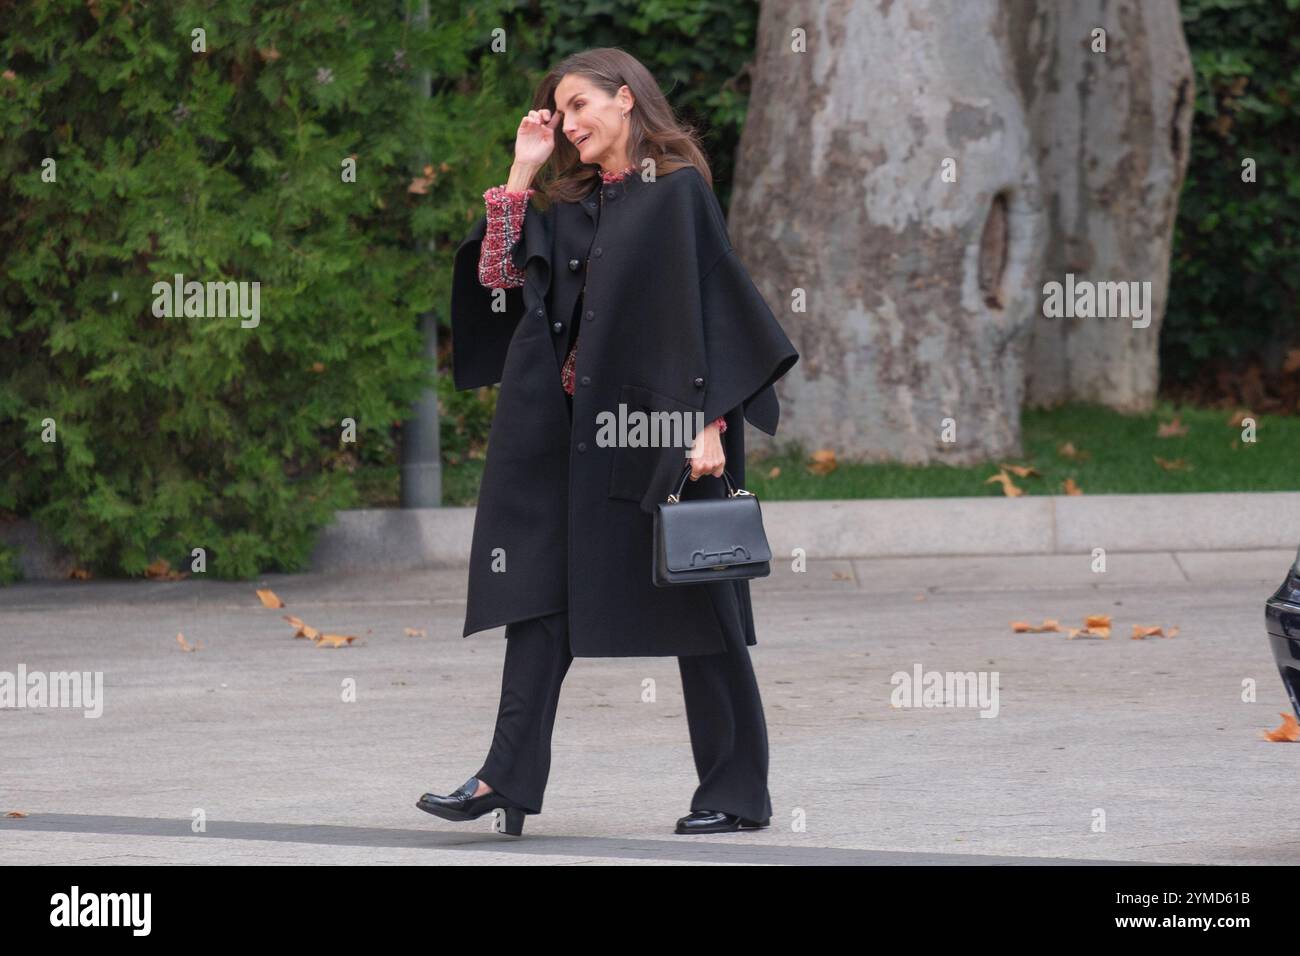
(709, 539)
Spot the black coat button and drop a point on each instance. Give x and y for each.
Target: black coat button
(582, 446)
(699, 383)
(586, 380)
(596, 252)
(558, 327)
(574, 265)
(541, 312)
(591, 316)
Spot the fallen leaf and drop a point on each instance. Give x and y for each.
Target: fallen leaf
(270, 53)
(774, 471)
(1240, 416)
(163, 569)
(1070, 488)
(185, 645)
(15, 813)
(1175, 464)
(1094, 625)
(920, 596)
(79, 574)
(1289, 732)
(1068, 450)
(1171, 429)
(841, 576)
(1024, 627)
(412, 632)
(1008, 487)
(303, 630)
(268, 598)
(823, 462)
(1023, 471)
(335, 640)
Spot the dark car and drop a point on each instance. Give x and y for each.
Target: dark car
(1282, 618)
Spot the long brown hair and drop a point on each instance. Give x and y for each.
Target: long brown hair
(654, 130)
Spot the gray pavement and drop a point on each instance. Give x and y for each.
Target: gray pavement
(253, 731)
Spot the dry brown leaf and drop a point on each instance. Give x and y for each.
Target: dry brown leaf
(79, 574)
(1240, 416)
(1022, 471)
(1171, 429)
(412, 632)
(186, 645)
(774, 471)
(269, 53)
(1175, 464)
(1070, 488)
(1024, 627)
(335, 640)
(823, 462)
(15, 813)
(269, 598)
(1008, 487)
(1141, 633)
(1094, 625)
(302, 630)
(841, 576)
(1289, 732)
(163, 569)
(920, 596)
(1068, 451)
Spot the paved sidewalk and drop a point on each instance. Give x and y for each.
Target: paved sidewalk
(252, 729)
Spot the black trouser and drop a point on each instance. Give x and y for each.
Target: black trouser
(724, 716)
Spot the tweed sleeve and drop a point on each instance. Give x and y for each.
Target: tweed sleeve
(505, 219)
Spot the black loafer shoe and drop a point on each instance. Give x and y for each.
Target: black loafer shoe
(717, 821)
(463, 805)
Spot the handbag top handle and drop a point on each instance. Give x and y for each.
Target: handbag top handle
(732, 490)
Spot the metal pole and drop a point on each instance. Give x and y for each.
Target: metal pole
(421, 473)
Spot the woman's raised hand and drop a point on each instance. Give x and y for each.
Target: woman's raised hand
(536, 137)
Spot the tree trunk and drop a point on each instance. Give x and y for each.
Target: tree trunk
(1111, 129)
(920, 291)
(901, 202)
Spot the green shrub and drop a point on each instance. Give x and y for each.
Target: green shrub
(1234, 289)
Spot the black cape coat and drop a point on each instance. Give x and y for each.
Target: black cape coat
(671, 321)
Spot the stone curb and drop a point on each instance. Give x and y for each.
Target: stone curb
(393, 538)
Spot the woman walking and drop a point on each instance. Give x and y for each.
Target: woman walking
(618, 300)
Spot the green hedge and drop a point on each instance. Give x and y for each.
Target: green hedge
(179, 432)
(1234, 287)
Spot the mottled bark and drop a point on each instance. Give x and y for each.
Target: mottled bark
(920, 291)
(924, 296)
(1111, 129)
